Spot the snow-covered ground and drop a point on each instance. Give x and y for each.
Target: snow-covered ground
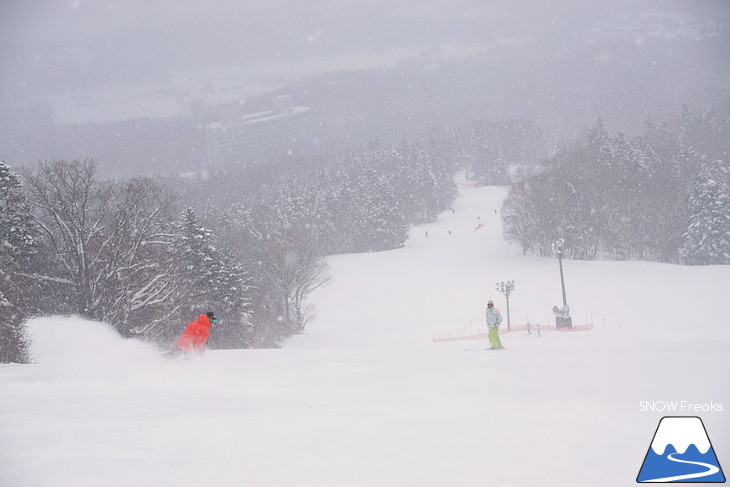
(365, 398)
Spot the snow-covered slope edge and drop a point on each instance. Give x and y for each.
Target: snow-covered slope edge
(365, 398)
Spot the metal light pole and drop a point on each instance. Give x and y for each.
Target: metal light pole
(558, 248)
(563, 318)
(506, 288)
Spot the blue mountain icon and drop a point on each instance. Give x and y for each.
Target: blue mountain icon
(681, 452)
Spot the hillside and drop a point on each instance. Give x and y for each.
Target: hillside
(365, 397)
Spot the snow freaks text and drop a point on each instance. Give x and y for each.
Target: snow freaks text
(683, 407)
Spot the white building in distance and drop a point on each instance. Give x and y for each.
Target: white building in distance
(285, 129)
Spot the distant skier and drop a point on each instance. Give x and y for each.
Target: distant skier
(196, 334)
(494, 319)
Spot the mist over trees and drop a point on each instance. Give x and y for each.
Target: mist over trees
(148, 254)
(135, 253)
(146, 232)
(660, 196)
(282, 217)
(124, 252)
(139, 111)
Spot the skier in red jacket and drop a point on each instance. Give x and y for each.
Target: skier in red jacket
(196, 334)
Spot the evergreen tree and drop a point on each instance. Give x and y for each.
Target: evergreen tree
(214, 281)
(578, 225)
(16, 229)
(685, 126)
(18, 247)
(378, 223)
(415, 184)
(707, 239)
(490, 167)
(627, 197)
(518, 219)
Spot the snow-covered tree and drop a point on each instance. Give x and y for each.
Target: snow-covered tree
(377, 221)
(578, 226)
(625, 197)
(518, 219)
(286, 215)
(107, 245)
(18, 247)
(16, 230)
(211, 279)
(489, 166)
(707, 239)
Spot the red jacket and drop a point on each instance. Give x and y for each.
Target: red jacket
(195, 335)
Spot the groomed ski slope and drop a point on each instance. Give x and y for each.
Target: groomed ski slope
(365, 398)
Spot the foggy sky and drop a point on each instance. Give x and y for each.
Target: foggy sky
(52, 46)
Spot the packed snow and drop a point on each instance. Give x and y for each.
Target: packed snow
(366, 397)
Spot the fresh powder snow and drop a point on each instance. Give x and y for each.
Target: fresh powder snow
(367, 397)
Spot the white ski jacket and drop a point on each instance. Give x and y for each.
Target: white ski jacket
(494, 317)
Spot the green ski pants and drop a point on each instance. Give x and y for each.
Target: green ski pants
(494, 340)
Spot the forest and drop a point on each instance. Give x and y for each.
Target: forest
(147, 254)
(135, 254)
(660, 196)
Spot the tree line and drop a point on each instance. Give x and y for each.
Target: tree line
(146, 254)
(663, 195)
(134, 252)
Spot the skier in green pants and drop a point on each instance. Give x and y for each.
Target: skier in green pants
(494, 319)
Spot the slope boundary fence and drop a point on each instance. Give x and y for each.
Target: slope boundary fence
(536, 328)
